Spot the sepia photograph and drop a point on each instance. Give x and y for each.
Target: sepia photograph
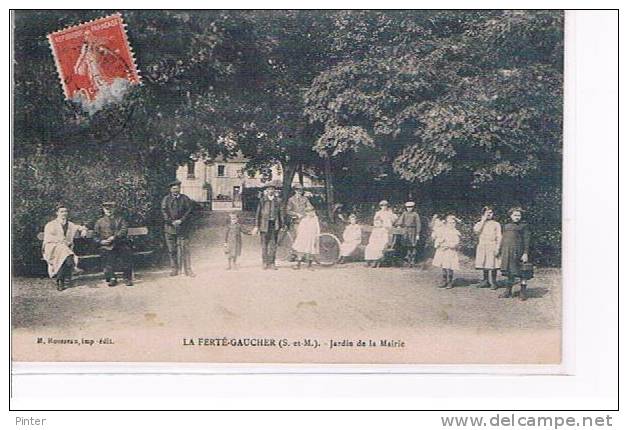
(287, 186)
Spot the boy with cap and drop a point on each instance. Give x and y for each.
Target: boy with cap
(410, 222)
(176, 209)
(110, 234)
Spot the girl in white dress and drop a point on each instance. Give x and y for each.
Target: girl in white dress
(306, 243)
(446, 242)
(486, 255)
(351, 238)
(378, 241)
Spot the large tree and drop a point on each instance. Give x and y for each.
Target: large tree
(471, 94)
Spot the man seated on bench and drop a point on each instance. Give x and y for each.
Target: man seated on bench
(58, 245)
(110, 234)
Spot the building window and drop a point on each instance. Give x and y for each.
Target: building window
(191, 166)
(221, 170)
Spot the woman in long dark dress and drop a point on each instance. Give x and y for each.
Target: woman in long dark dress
(514, 249)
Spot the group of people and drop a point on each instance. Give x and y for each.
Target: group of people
(504, 249)
(299, 217)
(110, 235)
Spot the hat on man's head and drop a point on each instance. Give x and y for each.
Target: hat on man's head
(297, 186)
(410, 204)
(60, 206)
(383, 203)
(173, 183)
(109, 204)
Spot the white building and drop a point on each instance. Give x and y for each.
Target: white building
(220, 184)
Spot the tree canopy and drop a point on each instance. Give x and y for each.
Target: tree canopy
(410, 100)
(435, 91)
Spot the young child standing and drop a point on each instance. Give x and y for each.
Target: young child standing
(410, 222)
(378, 241)
(446, 241)
(514, 249)
(233, 241)
(306, 243)
(486, 255)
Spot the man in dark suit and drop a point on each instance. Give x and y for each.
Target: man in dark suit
(176, 209)
(110, 234)
(268, 222)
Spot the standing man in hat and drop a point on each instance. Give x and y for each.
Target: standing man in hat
(176, 209)
(110, 234)
(58, 245)
(268, 222)
(410, 222)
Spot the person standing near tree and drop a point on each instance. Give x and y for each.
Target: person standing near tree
(110, 234)
(513, 252)
(378, 241)
(306, 244)
(486, 254)
(410, 222)
(446, 242)
(176, 209)
(268, 222)
(385, 214)
(297, 205)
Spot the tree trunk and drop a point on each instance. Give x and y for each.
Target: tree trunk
(289, 169)
(329, 188)
(300, 172)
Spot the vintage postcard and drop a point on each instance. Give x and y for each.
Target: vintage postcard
(287, 186)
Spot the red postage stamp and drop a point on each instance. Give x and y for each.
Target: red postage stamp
(94, 60)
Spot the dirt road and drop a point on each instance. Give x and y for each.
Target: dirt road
(337, 311)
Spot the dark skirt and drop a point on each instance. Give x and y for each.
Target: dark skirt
(515, 242)
(511, 260)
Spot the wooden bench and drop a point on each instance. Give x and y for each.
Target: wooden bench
(131, 233)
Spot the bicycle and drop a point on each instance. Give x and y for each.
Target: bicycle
(328, 244)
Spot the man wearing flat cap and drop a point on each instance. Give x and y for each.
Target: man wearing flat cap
(410, 222)
(268, 222)
(176, 209)
(110, 234)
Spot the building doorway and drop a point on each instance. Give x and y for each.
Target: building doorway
(236, 197)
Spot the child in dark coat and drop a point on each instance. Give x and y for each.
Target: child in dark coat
(513, 252)
(233, 240)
